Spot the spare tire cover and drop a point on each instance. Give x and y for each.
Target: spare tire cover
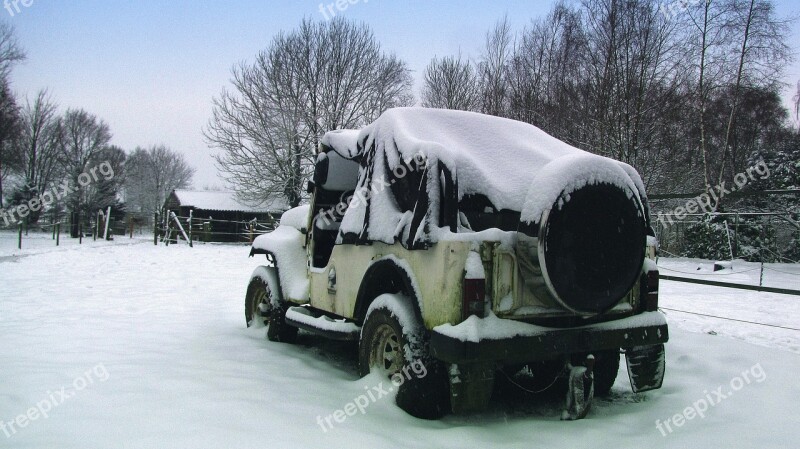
(592, 247)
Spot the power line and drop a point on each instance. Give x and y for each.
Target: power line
(732, 319)
(758, 288)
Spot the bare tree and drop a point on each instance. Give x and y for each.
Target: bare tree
(106, 190)
(10, 54)
(10, 51)
(493, 68)
(260, 130)
(545, 70)
(10, 124)
(320, 77)
(796, 100)
(151, 175)
(684, 98)
(632, 85)
(39, 143)
(761, 57)
(707, 36)
(451, 83)
(84, 136)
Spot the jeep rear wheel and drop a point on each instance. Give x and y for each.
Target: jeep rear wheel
(606, 368)
(397, 351)
(384, 351)
(260, 309)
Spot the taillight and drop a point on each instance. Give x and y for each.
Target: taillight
(651, 298)
(474, 298)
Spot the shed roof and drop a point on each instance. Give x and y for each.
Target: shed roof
(223, 201)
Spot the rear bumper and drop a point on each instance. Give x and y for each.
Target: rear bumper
(508, 341)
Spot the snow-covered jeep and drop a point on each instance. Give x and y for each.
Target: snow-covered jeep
(474, 245)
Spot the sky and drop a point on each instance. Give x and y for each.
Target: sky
(151, 68)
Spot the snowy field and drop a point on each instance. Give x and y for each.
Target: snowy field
(769, 308)
(129, 345)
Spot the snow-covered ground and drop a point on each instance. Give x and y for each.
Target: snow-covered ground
(767, 308)
(150, 348)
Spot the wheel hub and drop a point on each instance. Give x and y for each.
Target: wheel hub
(386, 354)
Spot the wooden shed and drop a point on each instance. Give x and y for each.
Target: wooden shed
(218, 216)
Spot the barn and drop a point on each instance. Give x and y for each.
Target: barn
(218, 216)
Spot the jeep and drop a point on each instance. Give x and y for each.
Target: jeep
(475, 245)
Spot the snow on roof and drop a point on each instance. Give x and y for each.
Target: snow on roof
(490, 155)
(493, 156)
(343, 141)
(223, 201)
(517, 166)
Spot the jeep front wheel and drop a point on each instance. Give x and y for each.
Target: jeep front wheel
(260, 309)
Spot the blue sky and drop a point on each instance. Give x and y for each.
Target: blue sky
(150, 68)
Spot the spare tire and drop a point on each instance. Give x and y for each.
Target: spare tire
(592, 247)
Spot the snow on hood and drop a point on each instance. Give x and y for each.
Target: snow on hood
(296, 218)
(286, 244)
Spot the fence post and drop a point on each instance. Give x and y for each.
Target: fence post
(730, 245)
(107, 222)
(775, 248)
(191, 234)
(130, 224)
(736, 236)
(19, 241)
(180, 228)
(58, 233)
(155, 229)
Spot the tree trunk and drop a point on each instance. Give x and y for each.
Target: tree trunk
(736, 90)
(1, 183)
(701, 89)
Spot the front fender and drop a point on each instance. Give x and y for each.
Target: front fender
(269, 275)
(285, 248)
